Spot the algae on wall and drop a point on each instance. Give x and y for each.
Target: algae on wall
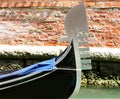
(91, 78)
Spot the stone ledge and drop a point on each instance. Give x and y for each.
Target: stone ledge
(105, 54)
(37, 52)
(29, 52)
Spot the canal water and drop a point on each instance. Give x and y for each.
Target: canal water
(98, 93)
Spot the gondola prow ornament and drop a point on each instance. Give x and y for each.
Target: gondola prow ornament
(77, 30)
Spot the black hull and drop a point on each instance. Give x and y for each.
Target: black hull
(58, 84)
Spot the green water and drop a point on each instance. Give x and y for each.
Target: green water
(98, 93)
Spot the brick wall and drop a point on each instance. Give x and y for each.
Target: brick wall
(103, 15)
(67, 3)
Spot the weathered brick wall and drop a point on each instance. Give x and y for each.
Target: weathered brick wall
(103, 15)
(68, 3)
(104, 27)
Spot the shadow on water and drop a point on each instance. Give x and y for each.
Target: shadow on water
(98, 93)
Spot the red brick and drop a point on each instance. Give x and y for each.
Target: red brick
(61, 4)
(116, 4)
(110, 44)
(53, 3)
(20, 4)
(12, 4)
(99, 4)
(42, 4)
(0, 4)
(35, 4)
(90, 4)
(4, 4)
(108, 4)
(27, 4)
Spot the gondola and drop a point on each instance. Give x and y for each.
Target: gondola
(54, 82)
(56, 78)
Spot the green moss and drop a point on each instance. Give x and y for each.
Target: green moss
(92, 79)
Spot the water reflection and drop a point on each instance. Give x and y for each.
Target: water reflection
(98, 93)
